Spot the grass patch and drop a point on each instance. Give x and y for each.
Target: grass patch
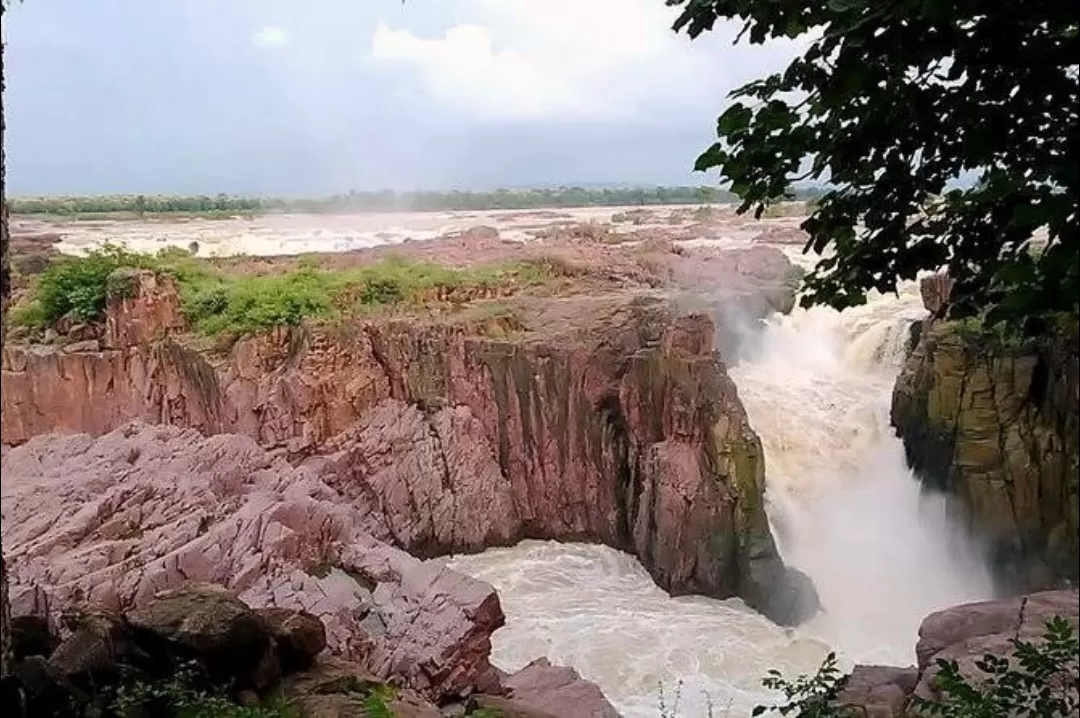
(217, 302)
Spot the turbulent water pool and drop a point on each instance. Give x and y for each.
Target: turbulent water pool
(844, 507)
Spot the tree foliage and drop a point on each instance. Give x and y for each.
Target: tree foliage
(807, 696)
(381, 201)
(892, 103)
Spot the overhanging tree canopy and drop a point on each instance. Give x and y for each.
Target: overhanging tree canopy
(892, 103)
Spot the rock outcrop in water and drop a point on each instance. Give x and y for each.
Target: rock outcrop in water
(996, 426)
(964, 634)
(612, 420)
(114, 521)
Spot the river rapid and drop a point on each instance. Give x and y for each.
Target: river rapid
(844, 508)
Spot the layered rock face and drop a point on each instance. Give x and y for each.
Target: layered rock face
(996, 426)
(115, 521)
(964, 634)
(612, 420)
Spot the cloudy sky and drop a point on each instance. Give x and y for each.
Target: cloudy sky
(287, 97)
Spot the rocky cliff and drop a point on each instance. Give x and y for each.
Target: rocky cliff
(113, 522)
(996, 425)
(607, 419)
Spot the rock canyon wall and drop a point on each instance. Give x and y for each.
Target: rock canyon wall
(996, 425)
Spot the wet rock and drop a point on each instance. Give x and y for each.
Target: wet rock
(556, 690)
(334, 688)
(300, 636)
(31, 636)
(789, 596)
(461, 442)
(878, 691)
(211, 624)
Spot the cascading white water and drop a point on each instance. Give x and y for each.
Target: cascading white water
(844, 508)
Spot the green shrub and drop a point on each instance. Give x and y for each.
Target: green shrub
(216, 302)
(246, 304)
(807, 696)
(81, 286)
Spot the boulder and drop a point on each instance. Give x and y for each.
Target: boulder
(878, 691)
(93, 652)
(542, 689)
(335, 688)
(212, 625)
(964, 634)
(300, 636)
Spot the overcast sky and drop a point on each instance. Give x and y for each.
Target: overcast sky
(309, 98)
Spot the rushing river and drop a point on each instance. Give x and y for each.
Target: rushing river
(844, 508)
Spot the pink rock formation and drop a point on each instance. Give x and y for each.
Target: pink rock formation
(116, 520)
(616, 423)
(965, 634)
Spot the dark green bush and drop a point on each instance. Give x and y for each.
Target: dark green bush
(81, 286)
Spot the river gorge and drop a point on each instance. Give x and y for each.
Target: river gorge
(647, 445)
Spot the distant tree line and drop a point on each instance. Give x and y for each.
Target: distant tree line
(380, 201)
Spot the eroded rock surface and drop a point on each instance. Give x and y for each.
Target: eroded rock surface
(116, 520)
(606, 419)
(996, 426)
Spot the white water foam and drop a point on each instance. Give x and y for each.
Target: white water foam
(845, 510)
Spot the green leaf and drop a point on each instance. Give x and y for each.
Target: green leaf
(734, 120)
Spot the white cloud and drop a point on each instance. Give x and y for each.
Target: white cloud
(568, 59)
(269, 36)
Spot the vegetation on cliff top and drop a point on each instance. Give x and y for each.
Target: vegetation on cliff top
(893, 104)
(216, 301)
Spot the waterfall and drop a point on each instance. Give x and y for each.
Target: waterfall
(844, 507)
